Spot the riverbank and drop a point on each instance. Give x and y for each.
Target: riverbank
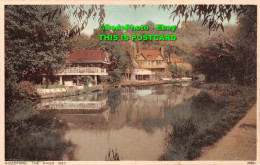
(235, 102)
(232, 146)
(232, 103)
(75, 91)
(140, 83)
(70, 92)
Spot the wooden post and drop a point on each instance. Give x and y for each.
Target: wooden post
(44, 80)
(60, 80)
(95, 79)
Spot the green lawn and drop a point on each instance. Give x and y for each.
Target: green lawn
(85, 90)
(50, 86)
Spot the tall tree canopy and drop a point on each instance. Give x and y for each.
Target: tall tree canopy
(33, 46)
(246, 42)
(33, 42)
(232, 57)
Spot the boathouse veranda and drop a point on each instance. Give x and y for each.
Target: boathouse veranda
(83, 63)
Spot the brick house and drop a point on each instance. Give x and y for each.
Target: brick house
(152, 59)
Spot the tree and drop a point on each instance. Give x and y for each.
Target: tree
(33, 46)
(33, 43)
(82, 13)
(213, 15)
(118, 58)
(245, 46)
(175, 70)
(217, 61)
(234, 56)
(150, 24)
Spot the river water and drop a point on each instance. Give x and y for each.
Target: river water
(132, 121)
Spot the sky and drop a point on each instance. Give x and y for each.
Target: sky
(124, 14)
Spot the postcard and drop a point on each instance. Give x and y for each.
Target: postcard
(129, 82)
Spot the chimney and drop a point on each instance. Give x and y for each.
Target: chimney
(134, 51)
(162, 50)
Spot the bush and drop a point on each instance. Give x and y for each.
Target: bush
(33, 139)
(84, 80)
(176, 71)
(30, 89)
(202, 100)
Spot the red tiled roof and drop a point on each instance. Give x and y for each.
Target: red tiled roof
(86, 56)
(149, 54)
(176, 60)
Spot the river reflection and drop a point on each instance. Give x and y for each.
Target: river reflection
(131, 120)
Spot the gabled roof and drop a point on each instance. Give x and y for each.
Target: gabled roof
(176, 60)
(149, 54)
(86, 56)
